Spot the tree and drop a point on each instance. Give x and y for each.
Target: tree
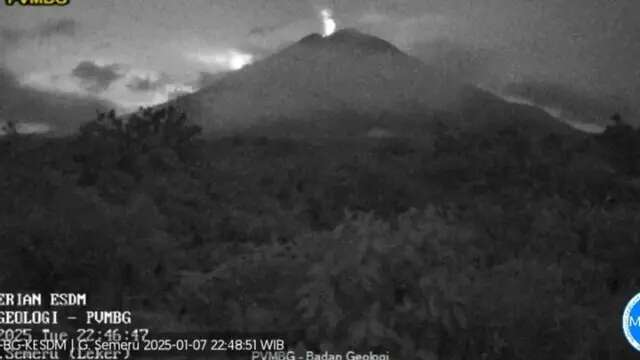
(9, 127)
(113, 143)
(623, 146)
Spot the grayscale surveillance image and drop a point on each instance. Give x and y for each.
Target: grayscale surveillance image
(320, 179)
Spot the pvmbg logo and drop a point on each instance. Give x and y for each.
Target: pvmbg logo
(631, 322)
(37, 2)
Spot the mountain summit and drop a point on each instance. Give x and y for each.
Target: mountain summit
(347, 81)
(350, 39)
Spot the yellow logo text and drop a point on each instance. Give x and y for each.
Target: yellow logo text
(37, 2)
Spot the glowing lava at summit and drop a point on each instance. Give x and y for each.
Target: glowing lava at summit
(328, 22)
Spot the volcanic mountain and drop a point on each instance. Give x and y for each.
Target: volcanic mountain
(347, 84)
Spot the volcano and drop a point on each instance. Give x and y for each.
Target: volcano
(347, 84)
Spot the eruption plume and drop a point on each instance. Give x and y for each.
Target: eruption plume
(328, 22)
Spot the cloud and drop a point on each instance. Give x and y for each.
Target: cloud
(229, 59)
(572, 102)
(265, 40)
(133, 87)
(11, 36)
(373, 18)
(466, 62)
(61, 27)
(7, 81)
(158, 88)
(52, 82)
(404, 31)
(96, 78)
(264, 29)
(174, 91)
(37, 110)
(206, 78)
(146, 83)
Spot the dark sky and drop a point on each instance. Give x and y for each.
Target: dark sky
(139, 51)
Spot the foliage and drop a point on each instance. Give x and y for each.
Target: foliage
(620, 142)
(495, 245)
(152, 139)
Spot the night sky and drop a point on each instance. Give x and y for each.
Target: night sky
(136, 52)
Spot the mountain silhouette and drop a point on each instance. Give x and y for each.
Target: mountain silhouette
(345, 84)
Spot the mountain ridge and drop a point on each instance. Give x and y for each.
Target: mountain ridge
(346, 75)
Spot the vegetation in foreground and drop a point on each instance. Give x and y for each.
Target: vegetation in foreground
(496, 245)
